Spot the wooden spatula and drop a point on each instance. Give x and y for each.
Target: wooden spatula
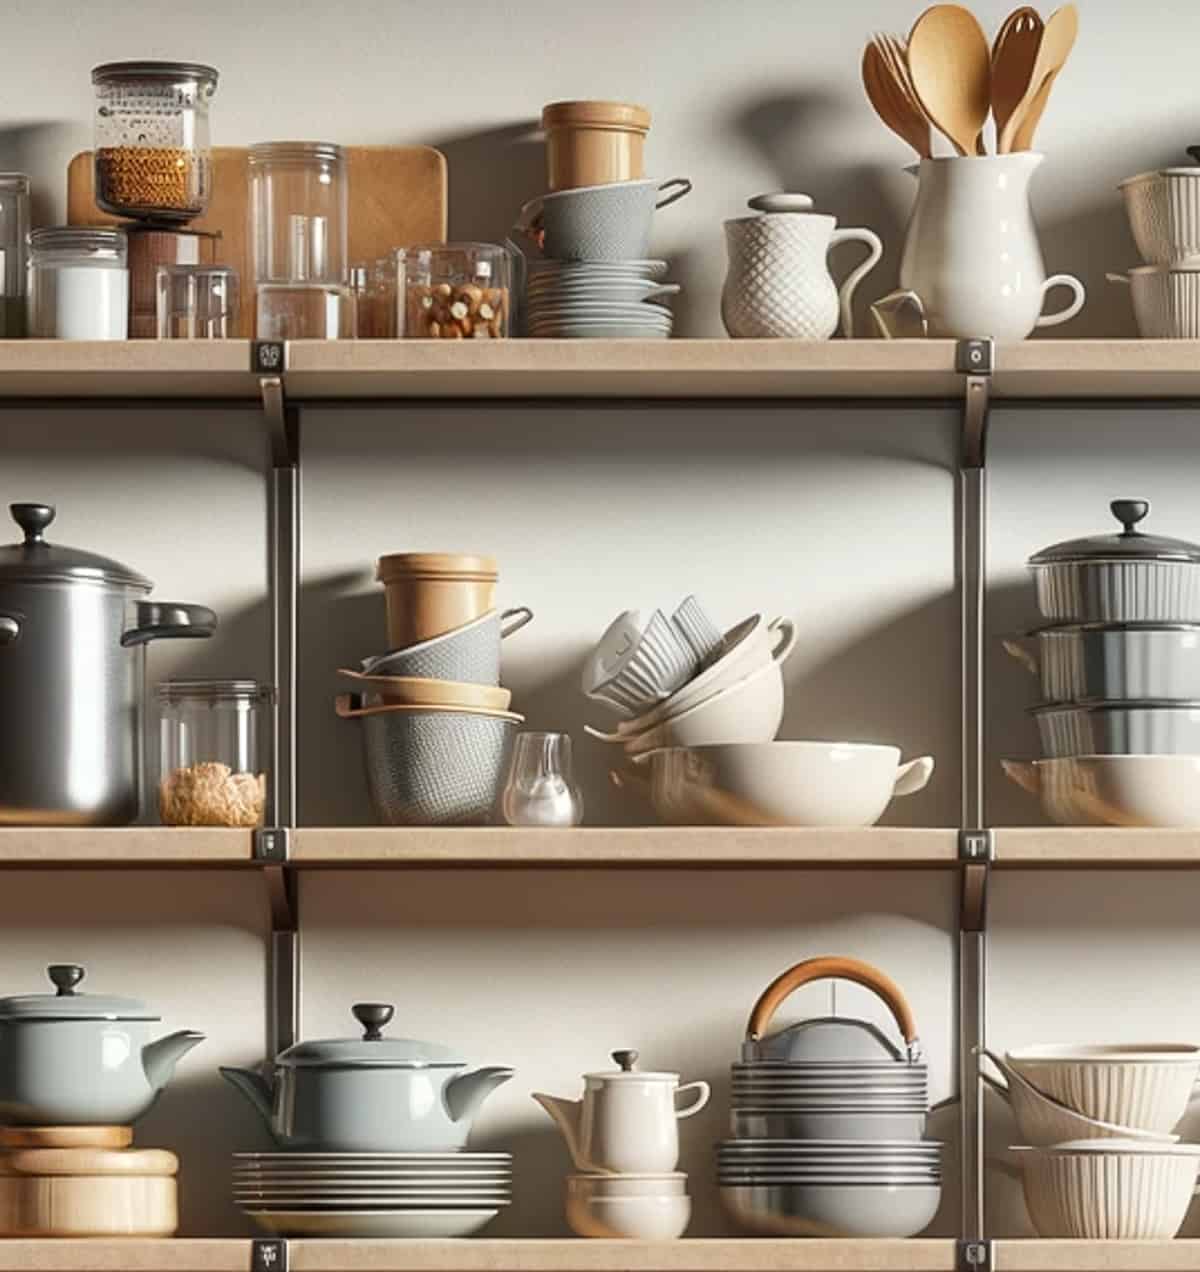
(1014, 53)
(1057, 41)
(951, 65)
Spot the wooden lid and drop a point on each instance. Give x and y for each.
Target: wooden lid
(89, 1161)
(66, 1136)
(437, 565)
(610, 114)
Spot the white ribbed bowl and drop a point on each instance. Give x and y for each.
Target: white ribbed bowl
(1166, 300)
(1118, 1193)
(1146, 1086)
(1164, 214)
(1141, 591)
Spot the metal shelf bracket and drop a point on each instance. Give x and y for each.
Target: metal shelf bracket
(974, 1256)
(976, 853)
(269, 1254)
(975, 359)
(268, 361)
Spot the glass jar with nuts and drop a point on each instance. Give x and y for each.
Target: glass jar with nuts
(459, 291)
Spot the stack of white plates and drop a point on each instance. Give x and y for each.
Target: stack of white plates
(598, 300)
(372, 1194)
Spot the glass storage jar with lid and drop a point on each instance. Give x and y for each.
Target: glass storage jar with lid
(214, 739)
(454, 291)
(14, 231)
(78, 283)
(153, 157)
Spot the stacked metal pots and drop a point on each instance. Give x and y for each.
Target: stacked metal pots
(827, 1120)
(1119, 667)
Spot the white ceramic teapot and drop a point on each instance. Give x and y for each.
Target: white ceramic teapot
(626, 1121)
(972, 265)
(778, 284)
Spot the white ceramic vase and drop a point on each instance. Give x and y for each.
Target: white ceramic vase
(778, 285)
(972, 266)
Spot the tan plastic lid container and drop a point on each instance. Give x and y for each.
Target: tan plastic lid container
(436, 565)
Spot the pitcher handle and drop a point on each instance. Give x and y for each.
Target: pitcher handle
(846, 294)
(892, 303)
(702, 1090)
(1063, 315)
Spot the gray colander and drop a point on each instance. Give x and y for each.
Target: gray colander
(435, 768)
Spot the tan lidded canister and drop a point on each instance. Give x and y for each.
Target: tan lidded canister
(594, 143)
(429, 593)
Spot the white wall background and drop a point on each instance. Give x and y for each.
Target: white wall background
(840, 517)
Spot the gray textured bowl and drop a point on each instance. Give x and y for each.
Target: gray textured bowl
(833, 1210)
(428, 767)
(1126, 728)
(470, 653)
(802, 1125)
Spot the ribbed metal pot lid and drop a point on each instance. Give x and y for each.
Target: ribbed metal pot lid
(1129, 545)
(372, 1050)
(68, 1004)
(36, 561)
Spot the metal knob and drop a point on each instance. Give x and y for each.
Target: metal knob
(33, 518)
(65, 977)
(626, 1060)
(373, 1017)
(1129, 512)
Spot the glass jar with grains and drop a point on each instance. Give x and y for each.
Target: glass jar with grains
(214, 735)
(153, 157)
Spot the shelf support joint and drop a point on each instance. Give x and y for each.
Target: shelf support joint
(974, 1256)
(976, 853)
(268, 361)
(975, 359)
(269, 1254)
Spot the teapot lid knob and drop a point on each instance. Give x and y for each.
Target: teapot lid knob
(33, 518)
(65, 976)
(373, 1017)
(626, 1060)
(781, 201)
(1129, 512)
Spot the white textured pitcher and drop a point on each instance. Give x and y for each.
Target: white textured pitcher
(972, 265)
(778, 284)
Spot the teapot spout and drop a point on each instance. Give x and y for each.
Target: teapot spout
(468, 1091)
(255, 1088)
(159, 1058)
(568, 1117)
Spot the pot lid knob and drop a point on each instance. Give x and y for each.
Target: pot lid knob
(373, 1017)
(1129, 512)
(625, 1060)
(33, 519)
(780, 202)
(65, 976)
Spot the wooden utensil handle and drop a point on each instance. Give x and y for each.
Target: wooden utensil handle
(831, 968)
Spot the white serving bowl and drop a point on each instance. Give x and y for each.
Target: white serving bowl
(780, 783)
(1109, 1190)
(1166, 301)
(1164, 214)
(1143, 1085)
(638, 1218)
(1114, 790)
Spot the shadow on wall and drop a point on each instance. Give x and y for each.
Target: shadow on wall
(491, 175)
(23, 148)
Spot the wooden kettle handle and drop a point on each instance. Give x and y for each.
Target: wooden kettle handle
(831, 968)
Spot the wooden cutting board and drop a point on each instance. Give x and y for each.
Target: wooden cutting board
(397, 196)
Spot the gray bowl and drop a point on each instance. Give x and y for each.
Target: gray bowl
(773, 1124)
(832, 1210)
(435, 767)
(603, 222)
(470, 653)
(1125, 728)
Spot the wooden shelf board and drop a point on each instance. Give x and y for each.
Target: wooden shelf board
(1096, 1256)
(1098, 368)
(657, 846)
(1068, 846)
(148, 846)
(101, 1255)
(52, 369)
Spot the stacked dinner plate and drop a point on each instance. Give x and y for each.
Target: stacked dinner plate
(372, 1194)
(599, 300)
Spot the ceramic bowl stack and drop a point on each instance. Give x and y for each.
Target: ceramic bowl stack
(598, 300)
(436, 724)
(1099, 1158)
(1118, 663)
(828, 1119)
(372, 1194)
(1164, 214)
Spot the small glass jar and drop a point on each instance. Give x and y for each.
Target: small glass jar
(459, 291)
(14, 234)
(78, 283)
(299, 212)
(214, 740)
(153, 157)
(197, 302)
(374, 288)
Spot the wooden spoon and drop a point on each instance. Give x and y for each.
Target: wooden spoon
(1013, 56)
(1057, 41)
(891, 104)
(951, 66)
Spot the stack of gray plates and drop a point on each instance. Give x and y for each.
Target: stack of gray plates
(372, 1194)
(598, 300)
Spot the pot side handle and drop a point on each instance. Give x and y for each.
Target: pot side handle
(1025, 774)
(913, 776)
(10, 628)
(169, 620)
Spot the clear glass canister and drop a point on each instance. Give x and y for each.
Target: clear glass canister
(153, 156)
(299, 212)
(14, 231)
(454, 291)
(78, 283)
(214, 739)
